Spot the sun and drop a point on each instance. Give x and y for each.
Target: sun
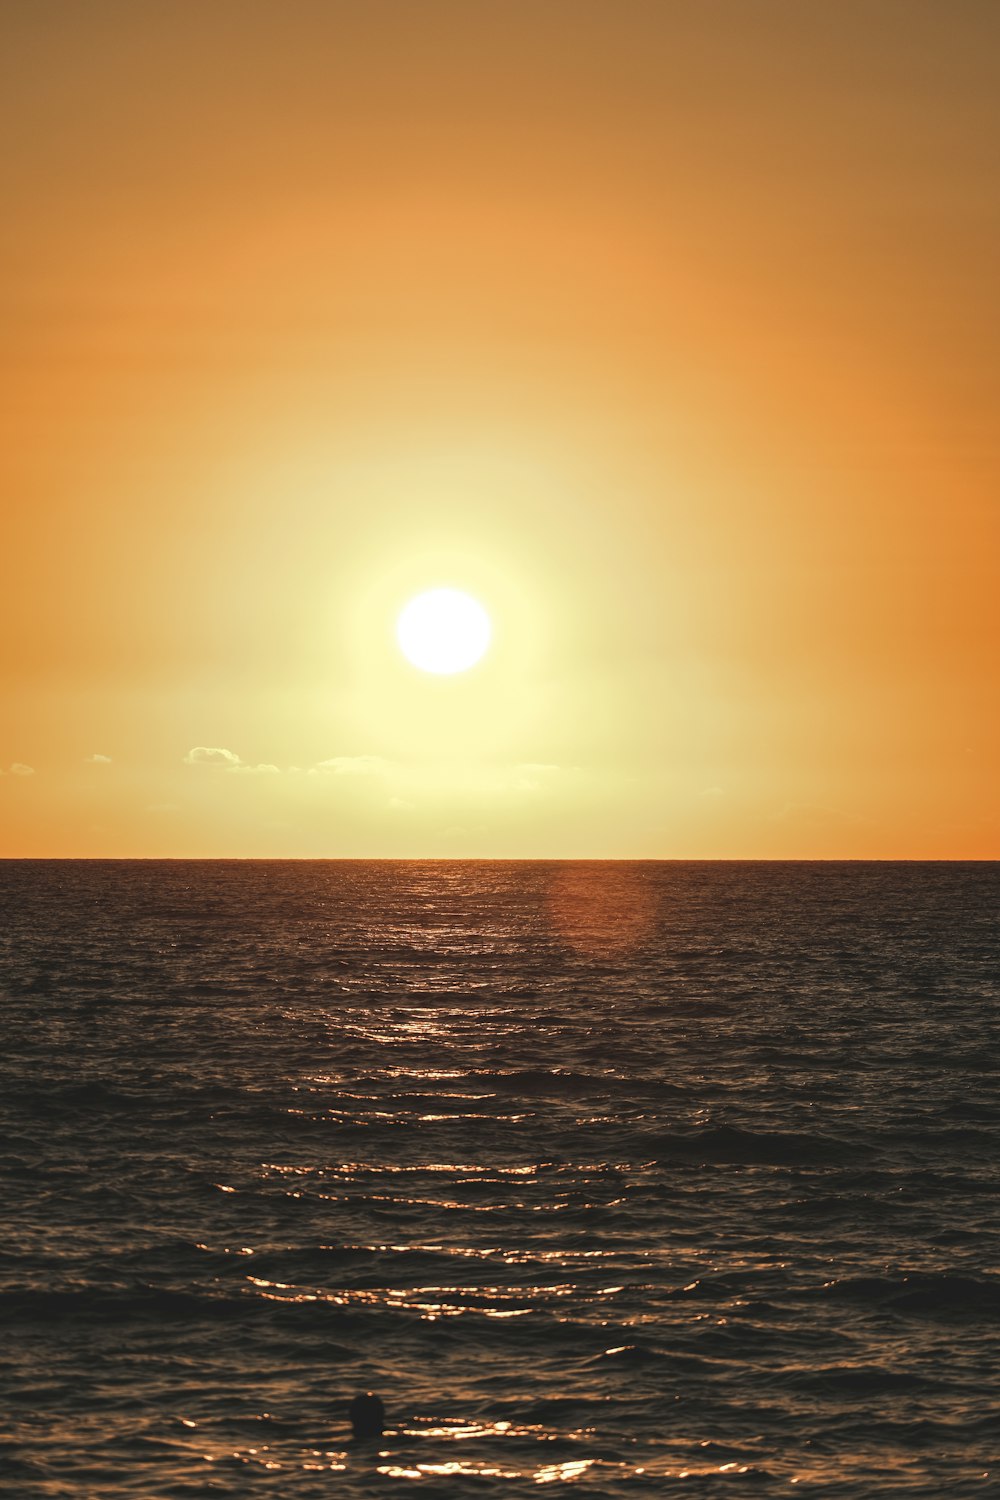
(443, 631)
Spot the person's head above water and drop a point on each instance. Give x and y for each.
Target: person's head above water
(367, 1415)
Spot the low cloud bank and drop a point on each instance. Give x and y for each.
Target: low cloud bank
(207, 755)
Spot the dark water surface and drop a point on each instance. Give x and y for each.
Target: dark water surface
(650, 1179)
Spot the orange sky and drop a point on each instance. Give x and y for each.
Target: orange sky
(668, 330)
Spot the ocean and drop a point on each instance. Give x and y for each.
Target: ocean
(641, 1178)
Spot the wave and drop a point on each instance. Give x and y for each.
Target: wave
(728, 1143)
(942, 1292)
(859, 1380)
(163, 1307)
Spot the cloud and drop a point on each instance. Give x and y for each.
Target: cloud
(712, 791)
(351, 765)
(204, 755)
(97, 760)
(17, 769)
(227, 760)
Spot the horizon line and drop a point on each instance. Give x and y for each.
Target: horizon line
(505, 859)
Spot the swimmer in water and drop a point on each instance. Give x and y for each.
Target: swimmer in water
(367, 1415)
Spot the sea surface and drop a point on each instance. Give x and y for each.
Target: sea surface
(642, 1179)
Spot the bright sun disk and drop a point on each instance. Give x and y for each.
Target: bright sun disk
(443, 631)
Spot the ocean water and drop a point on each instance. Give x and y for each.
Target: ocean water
(646, 1179)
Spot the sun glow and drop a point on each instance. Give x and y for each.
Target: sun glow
(443, 631)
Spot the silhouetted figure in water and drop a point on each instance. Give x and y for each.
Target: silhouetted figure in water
(367, 1416)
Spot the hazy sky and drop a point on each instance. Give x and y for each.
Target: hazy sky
(667, 330)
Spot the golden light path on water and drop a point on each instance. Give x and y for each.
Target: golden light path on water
(430, 1302)
(396, 1466)
(392, 1466)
